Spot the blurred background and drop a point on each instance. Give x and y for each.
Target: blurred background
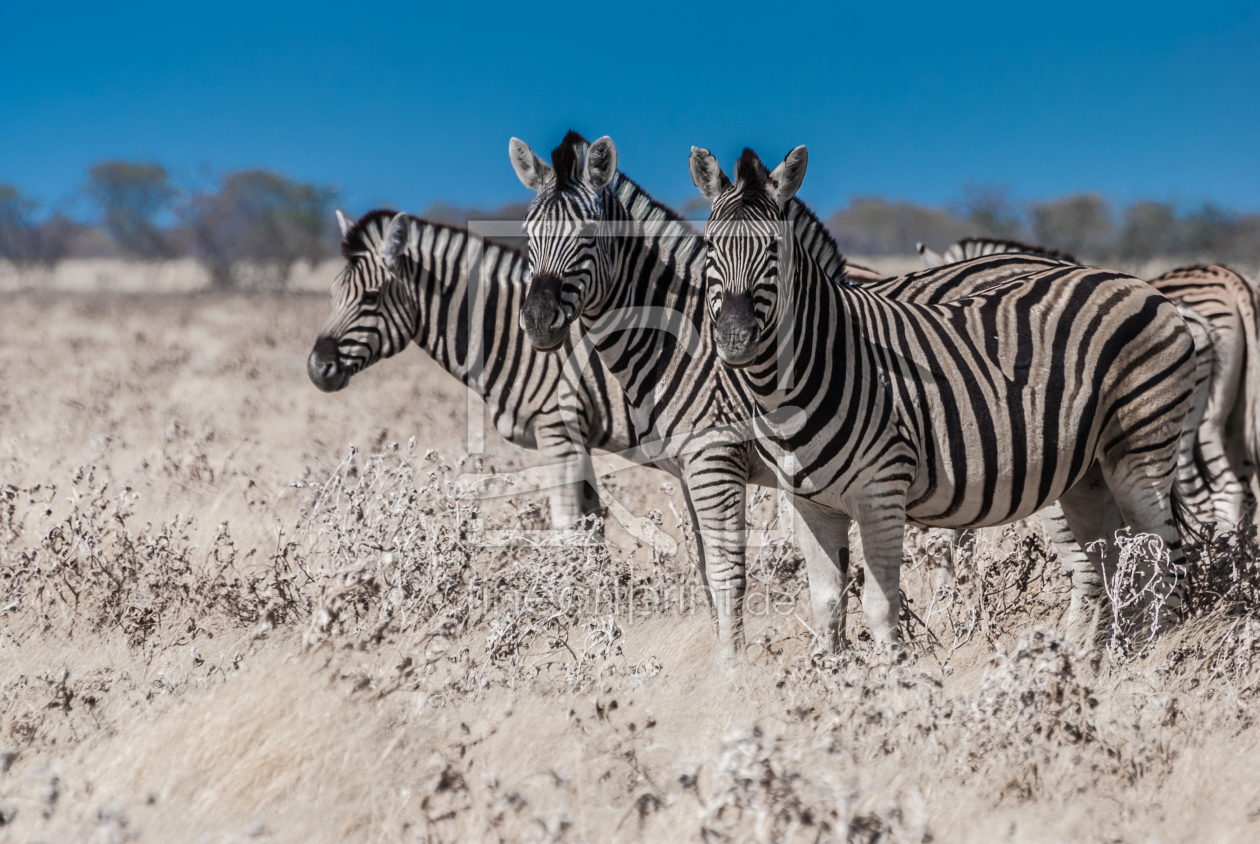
(226, 134)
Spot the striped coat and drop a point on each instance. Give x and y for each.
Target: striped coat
(1069, 384)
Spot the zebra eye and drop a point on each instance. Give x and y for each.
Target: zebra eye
(370, 298)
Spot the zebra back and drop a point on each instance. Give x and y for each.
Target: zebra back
(978, 247)
(1220, 306)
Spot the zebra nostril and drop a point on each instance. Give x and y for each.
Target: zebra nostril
(322, 366)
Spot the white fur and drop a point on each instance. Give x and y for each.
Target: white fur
(707, 175)
(533, 172)
(601, 163)
(786, 179)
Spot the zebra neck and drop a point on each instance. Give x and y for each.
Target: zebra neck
(462, 284)
(657, 252)
(654, 306)
(807, 361)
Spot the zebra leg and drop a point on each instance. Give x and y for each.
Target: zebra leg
(1148, 509)
(1088, 603)
(574, 498)
(1093, 519)
(700, 559)
(962, 545)
(1227, 490)
(883, 532)
(824, 538)
(718, 495)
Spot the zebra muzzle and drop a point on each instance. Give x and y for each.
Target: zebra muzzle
(322, 367)
(735, 331)
(544, 317)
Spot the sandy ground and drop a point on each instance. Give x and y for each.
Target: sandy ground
(218, 624)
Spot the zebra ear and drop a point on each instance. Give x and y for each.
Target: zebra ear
(343, 223)
(601, 163)
(707, 175)
(394, 241)
(786, 179)
(929, 258)
(533, 172)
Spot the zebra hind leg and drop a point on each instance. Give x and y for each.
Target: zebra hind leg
(960, 552)
(1149, 509)
(1088, 605)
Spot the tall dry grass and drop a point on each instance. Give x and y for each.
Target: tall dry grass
(219, 622)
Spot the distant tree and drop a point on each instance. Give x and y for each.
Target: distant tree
(1150, 229)
(24, 240)
(258, 225)
(1245, 241)
(1077, 224)
(131, 197)
(1212, 232)
(874, 226)
(990, 210)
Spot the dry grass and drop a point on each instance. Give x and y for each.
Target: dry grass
(221, 623)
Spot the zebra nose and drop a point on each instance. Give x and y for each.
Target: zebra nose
(736, 330)
(543, 317)
(322, 368)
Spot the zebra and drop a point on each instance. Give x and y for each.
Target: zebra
(1070, 383)
(1220, 482)
(1088, 599)
(601, 246)
(606, 255)
(408, 280)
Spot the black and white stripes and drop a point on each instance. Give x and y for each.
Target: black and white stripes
(1069, 383)
(408, 279)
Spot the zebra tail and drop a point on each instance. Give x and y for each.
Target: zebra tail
(1192, 530)
(1250, 388)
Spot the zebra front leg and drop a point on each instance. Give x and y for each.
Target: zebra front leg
(700, 559)
(824, 539)
(883, 530)
(574, 498)
(718, 499)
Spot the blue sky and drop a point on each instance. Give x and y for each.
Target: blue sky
(410, 103)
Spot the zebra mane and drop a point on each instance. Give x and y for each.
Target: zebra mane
(643, 208)
(367, 234)
(975, 247)
(567, 159)
(816, 239)
(750, 173)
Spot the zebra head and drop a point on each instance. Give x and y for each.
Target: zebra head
(374, 311)
(748, 246)
(569, 256)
